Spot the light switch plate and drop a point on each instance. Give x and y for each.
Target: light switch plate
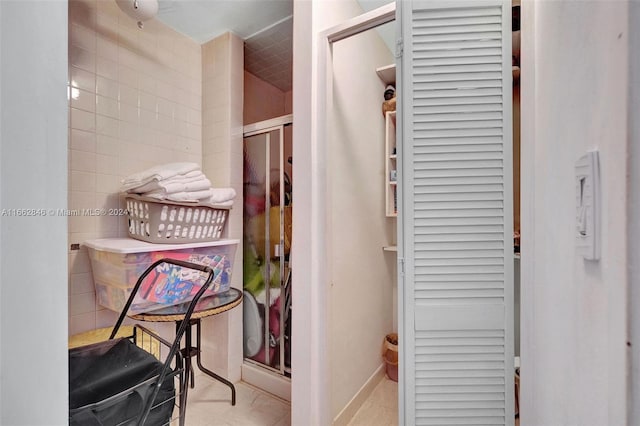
(587, 229)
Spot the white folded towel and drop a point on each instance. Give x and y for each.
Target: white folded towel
(186, 196)
(173, 185)
(222, 195)
(158, 173)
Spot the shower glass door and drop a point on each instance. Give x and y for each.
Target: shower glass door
(267, 241)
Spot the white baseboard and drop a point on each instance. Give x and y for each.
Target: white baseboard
(267, 380)
(350, 410)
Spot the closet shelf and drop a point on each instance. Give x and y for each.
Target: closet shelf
(387, 74)
(390, 248)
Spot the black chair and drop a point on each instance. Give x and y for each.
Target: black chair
(127, 380)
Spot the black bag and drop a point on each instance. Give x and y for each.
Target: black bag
(110, 383)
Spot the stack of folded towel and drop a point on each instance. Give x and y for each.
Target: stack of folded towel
(182, 182)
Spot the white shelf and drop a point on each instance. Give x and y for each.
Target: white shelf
(387, 74)
(390, 248)
(390, 163)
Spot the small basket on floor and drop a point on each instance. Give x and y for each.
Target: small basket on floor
(390, 355)
(165, 222)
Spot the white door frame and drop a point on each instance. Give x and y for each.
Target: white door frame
(310, 340)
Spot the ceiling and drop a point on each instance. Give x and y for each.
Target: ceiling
(203, 20)
(265, 25)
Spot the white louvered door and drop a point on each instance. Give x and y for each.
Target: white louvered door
(456, 220)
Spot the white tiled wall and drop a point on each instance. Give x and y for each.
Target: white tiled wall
(222, 93)
(135, 101)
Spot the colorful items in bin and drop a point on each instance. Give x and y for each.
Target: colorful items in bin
(171, 284)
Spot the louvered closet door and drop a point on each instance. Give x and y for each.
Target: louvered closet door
(456, 219)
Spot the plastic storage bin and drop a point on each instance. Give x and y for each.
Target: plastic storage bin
(117, 263)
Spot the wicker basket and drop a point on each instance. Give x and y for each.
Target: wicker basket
(390, 355)
(165, 222)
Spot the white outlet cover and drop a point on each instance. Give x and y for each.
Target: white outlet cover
(587, 228)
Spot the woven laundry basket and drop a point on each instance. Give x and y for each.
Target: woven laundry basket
(390, 355)
(165, 222)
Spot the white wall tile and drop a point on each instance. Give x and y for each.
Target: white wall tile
(148, 119)
(80, 222)
(108, 225)
(106, 145)
(81, 237)
(148, 44)
(128, 95)
(82, 37)
(106, 46)
(82, 79)
(127, 58)
(83, 141)
(107, 183)
(148, 101)
(107, 106)
(129, 128)
(166, 124)
(129, 131)
(83, 120)
(82, 58)
(83, 181)
(79, 200)
(107, 126)
(110, 9)
(107, 201)
(79, 262)
(82, 322)
(165, 107)
(107, 87)
(106, 318)
(82, 303)
(82, 283)
(194, 116)
(107, 164)
(82, 99)
(107, 68)
(83, 12)
(129, 113)
(127, 32)
(128, 76)
(82, 161)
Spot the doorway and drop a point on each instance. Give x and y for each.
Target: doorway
(504, 254)
(267, 277)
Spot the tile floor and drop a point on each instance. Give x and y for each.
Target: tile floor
(209, 405)
(381, 408)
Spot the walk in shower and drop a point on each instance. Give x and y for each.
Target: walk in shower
(267, 213)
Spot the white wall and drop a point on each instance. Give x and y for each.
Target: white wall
(222, 99)
(136, 98)
(361, 273)
(574, 315)
(633, 212)
(33, 175)
(311, 399)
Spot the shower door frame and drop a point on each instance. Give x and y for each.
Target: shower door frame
(265, 128)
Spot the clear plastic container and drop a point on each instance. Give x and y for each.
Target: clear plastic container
(117, 263)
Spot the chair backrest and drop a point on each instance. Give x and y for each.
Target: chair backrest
(181, 329)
